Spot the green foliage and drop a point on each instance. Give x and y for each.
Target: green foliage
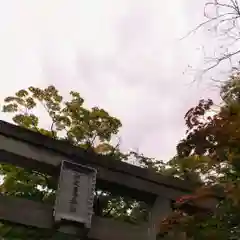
(70, 121)
(123, 208)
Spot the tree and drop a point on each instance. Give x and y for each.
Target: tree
(91, 129)
(211, 151)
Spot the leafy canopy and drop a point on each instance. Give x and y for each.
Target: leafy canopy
(69, 121)
(91, 129)
(210, 153)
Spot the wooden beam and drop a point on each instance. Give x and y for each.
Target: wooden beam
(45, 160)
(65, 149)
(116, 182)
(30, 213)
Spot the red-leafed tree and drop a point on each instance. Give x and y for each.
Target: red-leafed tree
(210, 154)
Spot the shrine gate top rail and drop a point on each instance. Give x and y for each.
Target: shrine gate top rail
(31, 150)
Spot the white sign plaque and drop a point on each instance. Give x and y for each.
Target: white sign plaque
(75, 194)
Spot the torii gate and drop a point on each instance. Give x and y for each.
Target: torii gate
(32, 150)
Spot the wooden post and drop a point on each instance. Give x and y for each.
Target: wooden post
(160, 209)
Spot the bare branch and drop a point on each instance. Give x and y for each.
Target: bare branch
(221, 59)
(205, 23)
(223, 17)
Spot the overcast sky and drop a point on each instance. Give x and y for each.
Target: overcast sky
(122, 55)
